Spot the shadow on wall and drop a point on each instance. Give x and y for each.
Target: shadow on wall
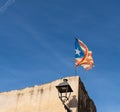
(73, 102)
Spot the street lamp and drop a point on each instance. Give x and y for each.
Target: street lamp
(64, 91)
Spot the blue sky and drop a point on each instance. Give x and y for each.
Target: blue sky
(37, 45)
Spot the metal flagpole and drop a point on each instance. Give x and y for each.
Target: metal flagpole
(75, 68)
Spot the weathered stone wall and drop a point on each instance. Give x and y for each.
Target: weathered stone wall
(85, 103)
(44, 98)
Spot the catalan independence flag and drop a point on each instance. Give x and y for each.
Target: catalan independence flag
(83, 57)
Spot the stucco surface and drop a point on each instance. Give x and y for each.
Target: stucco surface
(40, 98)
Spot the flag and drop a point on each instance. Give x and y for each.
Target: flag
(83, 56)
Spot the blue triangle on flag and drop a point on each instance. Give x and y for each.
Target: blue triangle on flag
(79, 53)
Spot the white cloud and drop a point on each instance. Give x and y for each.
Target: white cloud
(6, 5)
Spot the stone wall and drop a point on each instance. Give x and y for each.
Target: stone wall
(85, 103)
(44, 98)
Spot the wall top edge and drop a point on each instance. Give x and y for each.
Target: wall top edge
(39, 85)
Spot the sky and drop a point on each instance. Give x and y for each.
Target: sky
(37, 45)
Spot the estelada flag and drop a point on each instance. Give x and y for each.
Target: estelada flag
(83, 56)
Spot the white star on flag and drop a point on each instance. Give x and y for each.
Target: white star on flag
(77, 51)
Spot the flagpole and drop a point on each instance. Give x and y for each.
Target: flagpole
(75, 70)
(75, 67)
